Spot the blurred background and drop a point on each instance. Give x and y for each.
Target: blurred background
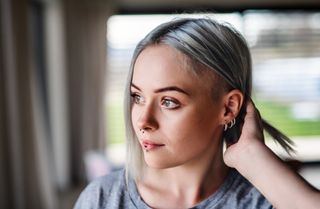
(63, 68)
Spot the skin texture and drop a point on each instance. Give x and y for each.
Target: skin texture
(179, 127)
(177, 120)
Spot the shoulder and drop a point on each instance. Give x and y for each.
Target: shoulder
(245, 195)
(102, 191)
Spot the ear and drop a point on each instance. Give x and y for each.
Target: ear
(233, 101)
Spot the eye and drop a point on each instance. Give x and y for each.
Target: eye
(170, 103)
(137, 99)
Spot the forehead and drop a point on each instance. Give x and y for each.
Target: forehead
(164, 64)
(163, 55)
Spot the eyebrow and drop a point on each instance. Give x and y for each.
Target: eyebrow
(164, 89)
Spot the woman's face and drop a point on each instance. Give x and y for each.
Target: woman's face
(173, 114)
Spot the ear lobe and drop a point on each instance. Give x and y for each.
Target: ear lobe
(233, 102)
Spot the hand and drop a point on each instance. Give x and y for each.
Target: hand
(251, 136)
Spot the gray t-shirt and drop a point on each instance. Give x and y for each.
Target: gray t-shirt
(111, 192)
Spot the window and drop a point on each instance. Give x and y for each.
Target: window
(286, 67)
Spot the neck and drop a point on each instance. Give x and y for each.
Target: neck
(189, 183)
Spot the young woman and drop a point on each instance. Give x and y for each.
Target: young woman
(188, 94)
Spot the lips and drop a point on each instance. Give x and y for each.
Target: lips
(150, 145)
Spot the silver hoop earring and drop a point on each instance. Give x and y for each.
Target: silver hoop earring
(230, 124)
(225, 127)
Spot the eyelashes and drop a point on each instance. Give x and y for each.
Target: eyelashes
(136, 98)
(165, 102)
(170, 103)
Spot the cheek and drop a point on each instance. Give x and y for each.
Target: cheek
(196, 120)
(197, 128)
(185, 127)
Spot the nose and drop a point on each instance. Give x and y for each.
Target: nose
(147, 119)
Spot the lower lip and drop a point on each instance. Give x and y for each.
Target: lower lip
(151, 146)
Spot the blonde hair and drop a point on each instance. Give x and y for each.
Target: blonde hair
(222, 50)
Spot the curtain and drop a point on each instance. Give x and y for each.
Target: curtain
(52, 77)
(25, 180)
(86, 74)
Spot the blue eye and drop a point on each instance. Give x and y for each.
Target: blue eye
(170, 103)
(137, 99)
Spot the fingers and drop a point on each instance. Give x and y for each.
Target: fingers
(252, 111)
(253, 120)
(250, 106)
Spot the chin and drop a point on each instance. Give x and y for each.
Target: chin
(160, 163)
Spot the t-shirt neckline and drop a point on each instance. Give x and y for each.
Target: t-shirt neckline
(213, 199)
